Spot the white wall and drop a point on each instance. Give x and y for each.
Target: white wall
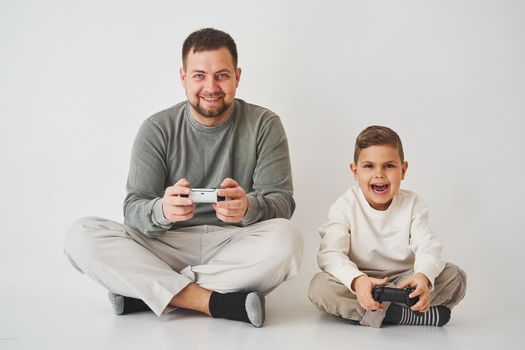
(78, 77)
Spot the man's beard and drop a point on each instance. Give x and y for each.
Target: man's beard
(211, 113)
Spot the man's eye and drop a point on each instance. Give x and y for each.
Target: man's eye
(222, 76)
(198, 76)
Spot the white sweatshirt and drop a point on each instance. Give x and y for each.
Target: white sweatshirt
(358, 237)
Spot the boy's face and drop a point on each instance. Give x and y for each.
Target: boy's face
(379, 172)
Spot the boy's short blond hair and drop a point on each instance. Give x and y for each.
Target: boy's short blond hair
(376, 135)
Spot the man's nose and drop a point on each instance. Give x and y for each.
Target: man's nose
(211, 85)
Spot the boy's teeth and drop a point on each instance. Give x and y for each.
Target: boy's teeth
(379, 187)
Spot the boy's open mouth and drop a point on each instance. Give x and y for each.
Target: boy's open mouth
(379, 188)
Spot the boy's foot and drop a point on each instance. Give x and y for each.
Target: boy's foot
(124, 305)
(436, 316)
(239, 306)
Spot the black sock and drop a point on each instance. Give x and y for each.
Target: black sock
(125, 305)
(402, 315)
(239, 306)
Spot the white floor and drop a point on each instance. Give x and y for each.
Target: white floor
(80, 317)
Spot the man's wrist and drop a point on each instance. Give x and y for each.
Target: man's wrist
(157, 215)
(251, 210)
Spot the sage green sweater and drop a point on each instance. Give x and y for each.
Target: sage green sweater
(249, 147)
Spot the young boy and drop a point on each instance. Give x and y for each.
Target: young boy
(377, 235)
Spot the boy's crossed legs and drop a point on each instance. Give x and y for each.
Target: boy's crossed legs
(330, 295)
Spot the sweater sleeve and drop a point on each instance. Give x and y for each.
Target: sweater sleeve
(272, 195)
(335, 245)
(146, 182)
(426, 247)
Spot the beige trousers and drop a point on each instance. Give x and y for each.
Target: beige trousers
(330, 295)
(223, 259)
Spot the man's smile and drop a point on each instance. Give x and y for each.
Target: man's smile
(212, 99)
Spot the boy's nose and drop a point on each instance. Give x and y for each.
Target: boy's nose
(379, 174)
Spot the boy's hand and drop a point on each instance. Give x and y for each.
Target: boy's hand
(363, 286)
(421, 286)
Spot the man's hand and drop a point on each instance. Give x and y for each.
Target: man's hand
(174, 207)
(422, 289)
(235, 206)
(363, 286)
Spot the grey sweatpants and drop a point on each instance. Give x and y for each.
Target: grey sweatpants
(330, 295)
(223, 259)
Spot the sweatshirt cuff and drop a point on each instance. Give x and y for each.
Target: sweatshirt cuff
(157, 215)
(347, 274)
(252, 211)
(431, 271)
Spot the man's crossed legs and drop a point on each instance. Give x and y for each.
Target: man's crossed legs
(219, 271)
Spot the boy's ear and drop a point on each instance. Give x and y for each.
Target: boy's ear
(353, 169)
(404, 169)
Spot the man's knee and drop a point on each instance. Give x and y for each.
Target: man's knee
(84, 236)
(283, 239)
(278, 253)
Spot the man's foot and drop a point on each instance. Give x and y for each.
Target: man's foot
(436, 316)
(239, 306)
(124, 305)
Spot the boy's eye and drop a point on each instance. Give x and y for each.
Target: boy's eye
(390, 165)
(368, 166)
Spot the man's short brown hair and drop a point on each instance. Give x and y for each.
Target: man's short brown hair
(208, 39)
(376, 135)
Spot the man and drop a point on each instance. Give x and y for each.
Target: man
(219, 259)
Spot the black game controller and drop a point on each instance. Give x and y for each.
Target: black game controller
(396, 295)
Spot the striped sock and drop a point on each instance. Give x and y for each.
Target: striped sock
(401, 315)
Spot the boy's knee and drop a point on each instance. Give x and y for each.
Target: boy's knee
(460, 283)
(330, 295)
(454, 276)
(322, 288)
(451, 286)
(318, 285)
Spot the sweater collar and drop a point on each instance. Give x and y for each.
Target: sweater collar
(375, 212)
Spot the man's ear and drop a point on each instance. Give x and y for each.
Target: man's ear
(182, 75)
(404, 169)
(238, 72)
(353, 169)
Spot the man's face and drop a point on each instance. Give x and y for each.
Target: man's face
(379, 172)
(210, 80)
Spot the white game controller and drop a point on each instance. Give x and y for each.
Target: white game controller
(204, 195)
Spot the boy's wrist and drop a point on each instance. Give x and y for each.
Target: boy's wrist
(424, 277)
(354, 282)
